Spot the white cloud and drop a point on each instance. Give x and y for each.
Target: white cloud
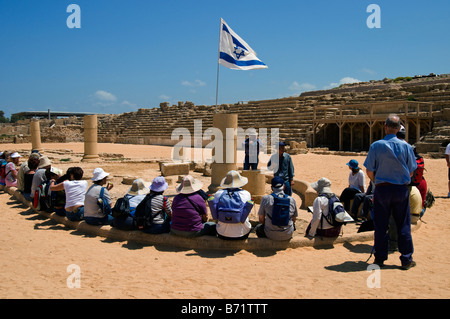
(348, 80)
(196, 83)
(164, 97)
(345, 80)
(368, 71)
(295, 86)
(105, 96)
(127, 103)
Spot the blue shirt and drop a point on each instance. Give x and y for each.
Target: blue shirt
(392, 160)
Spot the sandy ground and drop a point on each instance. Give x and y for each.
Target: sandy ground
(35, 252)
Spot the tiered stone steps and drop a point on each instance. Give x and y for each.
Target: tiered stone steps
(291, 116)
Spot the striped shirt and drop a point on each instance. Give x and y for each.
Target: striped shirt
(158, 205)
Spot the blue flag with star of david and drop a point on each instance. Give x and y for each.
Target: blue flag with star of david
(235, 53)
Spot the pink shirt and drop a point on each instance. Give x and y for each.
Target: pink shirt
(10, 180)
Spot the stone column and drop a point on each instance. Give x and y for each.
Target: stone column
(228, 145)
(90, 139)
(256, 185)
(35, 131)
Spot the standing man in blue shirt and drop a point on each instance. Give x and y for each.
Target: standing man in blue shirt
(390, 164)
(281, 165)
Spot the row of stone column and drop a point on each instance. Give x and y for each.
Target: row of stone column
(90, 137)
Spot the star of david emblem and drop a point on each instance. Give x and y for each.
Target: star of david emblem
(237, 53)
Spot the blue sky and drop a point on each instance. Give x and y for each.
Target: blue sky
(138, 53)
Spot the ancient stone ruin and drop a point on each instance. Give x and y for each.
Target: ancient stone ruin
(343, 119)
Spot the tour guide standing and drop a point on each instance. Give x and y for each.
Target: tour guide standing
(390, 164)
(281, 164)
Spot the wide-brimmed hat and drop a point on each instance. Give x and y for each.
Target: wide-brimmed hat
(56, 171)
(322, 186)
(139, 187)
(159, 184)
(189, 185)
(233, 180)
(15, 155)
(353, 164)
(44, 162)
(99, 174)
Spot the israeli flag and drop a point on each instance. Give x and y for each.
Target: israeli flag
(235, 53)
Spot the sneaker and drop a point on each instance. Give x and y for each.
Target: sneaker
(409, 265)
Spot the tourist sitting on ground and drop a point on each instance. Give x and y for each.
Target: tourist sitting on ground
(189, 214)
(281, 165)
(28, 169)
(415, 204)
(23, 169)
(41, 174)
(97, 201)
(124, 213)
(277, 213)
(75, 189)
(366, 199)
(11, 169)
(356, 182)
(58, 197)
(154, 212)
(3, 162)
(230, 206)
(319, 225)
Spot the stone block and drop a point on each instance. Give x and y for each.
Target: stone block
(168, 169)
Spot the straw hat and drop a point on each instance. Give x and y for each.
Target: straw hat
(159, 184)
(253, 133)
(189, 185)
(44, 162)
(233, 180)
(56, 171)
(99, 174)
(322, 186)
(139, 187)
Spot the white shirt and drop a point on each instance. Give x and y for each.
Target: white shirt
(75, 192)
(320, 206)
(358, 180)
(234, 230)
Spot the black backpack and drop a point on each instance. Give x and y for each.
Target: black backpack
(122, 208)
(143, 216)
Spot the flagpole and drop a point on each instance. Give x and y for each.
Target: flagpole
(218, 64)
(217, 84)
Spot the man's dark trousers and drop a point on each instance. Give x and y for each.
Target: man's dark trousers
(392, 198)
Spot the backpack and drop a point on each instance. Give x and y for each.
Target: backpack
(102, 203)
(43, 199)
(3, 170)
(281, 210)
(418, 173)
(336, 212)
(231, 208)
(122, 208)
(143, 215)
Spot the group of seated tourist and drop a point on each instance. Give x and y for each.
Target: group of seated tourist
(145, 207)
